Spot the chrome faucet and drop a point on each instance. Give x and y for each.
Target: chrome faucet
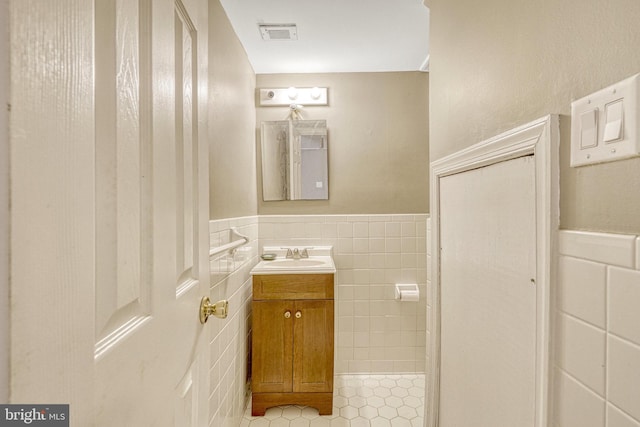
(296, 254)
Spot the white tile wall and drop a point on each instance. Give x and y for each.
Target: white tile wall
(581, 351)
(577, 406)
(374, 333)
(623, 370)
(598, 331)
(229, 338)
(624, 296)
(582, 290)
(616, 418)
(610, 249)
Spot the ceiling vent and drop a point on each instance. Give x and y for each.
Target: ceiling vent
(278, 31)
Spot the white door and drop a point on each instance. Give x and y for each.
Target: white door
(488, 296)
(109, 214)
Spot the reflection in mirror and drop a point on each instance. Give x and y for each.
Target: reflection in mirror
(294, 160)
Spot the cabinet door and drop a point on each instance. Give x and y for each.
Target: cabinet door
(313, 349)
(272, 342)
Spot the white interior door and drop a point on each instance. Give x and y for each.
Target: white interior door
(109, 216)
(488, 296)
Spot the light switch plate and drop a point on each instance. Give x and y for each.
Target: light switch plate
(614, 134)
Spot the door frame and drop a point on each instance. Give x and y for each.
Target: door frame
(4, 202)
(539, 138)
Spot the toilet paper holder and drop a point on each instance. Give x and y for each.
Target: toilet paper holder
(407, 292)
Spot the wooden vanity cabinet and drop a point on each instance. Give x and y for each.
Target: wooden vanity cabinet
(292, 341)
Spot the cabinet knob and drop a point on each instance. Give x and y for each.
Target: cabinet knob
(298, 314)
(287, 314)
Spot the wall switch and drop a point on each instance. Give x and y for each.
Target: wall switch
(589, 129)
(604, 125)
(614, 113)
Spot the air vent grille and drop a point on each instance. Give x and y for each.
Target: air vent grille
(278, 31)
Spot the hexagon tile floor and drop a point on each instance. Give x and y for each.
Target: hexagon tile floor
(358, 401)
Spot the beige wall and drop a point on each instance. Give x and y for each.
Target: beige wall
(378, 142)
(501, 63)
(231, 121)
(4, 204)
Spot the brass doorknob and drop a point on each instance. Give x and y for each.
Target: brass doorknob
(287, 314)
(219, 309)
(298, 314)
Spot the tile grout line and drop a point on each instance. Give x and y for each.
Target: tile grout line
(581, 383)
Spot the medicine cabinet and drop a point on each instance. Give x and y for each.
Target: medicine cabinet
(295, 160)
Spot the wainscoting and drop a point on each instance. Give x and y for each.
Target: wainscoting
(229, 338)
(597, 381)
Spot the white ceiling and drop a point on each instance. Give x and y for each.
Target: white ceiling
(334, 35)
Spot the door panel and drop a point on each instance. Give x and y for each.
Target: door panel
(122, 158)
(272, 355)
(488, 296)
(313, 349)
(192, 207)
(152, 192)
(186, 145)
(123, 223)
(52, 204)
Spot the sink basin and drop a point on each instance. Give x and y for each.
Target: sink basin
(295, 263)
(319, 261)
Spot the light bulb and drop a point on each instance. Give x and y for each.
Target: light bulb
(292, 93)
(315, 92)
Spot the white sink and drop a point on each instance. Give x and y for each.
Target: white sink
(294, 263)
(319, 261)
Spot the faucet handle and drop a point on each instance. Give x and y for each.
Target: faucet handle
(289, 253)
(304, 253)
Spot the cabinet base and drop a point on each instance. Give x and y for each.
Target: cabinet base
(323, 402)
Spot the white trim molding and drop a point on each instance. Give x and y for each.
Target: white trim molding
(539, 138)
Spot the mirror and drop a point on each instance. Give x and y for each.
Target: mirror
(294, 160)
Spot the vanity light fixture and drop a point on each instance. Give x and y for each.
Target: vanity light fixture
(307, 96)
